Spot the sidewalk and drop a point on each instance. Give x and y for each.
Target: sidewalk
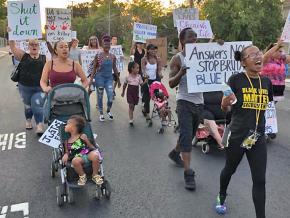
(288, 83)
(4, 51)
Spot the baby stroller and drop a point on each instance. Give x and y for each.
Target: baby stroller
(62, 102)
(159, 95)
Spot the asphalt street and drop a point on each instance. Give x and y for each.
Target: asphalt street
(144, 181)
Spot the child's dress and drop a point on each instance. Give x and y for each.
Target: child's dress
(133, 82)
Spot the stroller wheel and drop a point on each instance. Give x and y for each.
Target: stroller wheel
(205, 148)
(107, 189)
(98, 193)
(161, 131)
(59, 196)
(194, 142)
(70, 195)
(52, 169)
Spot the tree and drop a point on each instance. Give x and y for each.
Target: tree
(259, 21)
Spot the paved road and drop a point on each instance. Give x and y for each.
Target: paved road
(145, 183)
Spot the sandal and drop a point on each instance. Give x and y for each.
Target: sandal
(97, 179)
(82, 180)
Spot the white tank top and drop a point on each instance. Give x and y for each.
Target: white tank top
(151, 70)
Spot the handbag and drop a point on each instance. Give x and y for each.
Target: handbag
(15, 73)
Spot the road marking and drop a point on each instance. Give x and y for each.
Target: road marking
(6, 141)
(24, 207)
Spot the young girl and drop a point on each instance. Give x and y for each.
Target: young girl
(80, 150)
(133, 80)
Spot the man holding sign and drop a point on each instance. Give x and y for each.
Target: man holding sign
(189, 108)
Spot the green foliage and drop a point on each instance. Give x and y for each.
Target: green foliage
(259, 21)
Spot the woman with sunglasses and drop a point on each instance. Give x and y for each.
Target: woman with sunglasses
(30, 69)
(251, 94)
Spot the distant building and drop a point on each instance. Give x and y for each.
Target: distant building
(286, 9)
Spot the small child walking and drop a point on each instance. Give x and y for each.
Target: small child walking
(132, 81)
(79, 150)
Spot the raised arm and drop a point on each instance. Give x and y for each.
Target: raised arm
(132, 50)
(18, 53)
(268, 54)
(176, 72)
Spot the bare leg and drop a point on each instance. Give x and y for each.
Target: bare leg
(213, 129)
(131, 110)
(93, 156)
(186, 159)
(77, 163)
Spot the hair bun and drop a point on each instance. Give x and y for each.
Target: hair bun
(238, 55)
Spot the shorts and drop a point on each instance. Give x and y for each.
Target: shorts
(213, 112)
(85, 159)
(189, 116)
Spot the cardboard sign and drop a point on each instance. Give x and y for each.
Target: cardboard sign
(23, 45)
(142, 32)
(58, 21)
(51, 136)
(201, 27)
(286, 30)
(74, 34)
(24, 20)
(185, 14)
(271, 119)
(161, 43)
(87, 56)
(211, 65)
(117, 50)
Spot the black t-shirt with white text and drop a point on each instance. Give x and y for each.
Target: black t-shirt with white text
(249, 100)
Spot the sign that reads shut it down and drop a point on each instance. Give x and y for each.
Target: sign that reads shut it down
(211, 65)
(24, 20)
(142, 32)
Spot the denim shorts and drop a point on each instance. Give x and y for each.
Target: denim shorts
(189, 116)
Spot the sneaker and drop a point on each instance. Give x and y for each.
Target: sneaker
(39, 129)
(97, 179)
(189, 179)
(110, 116)
(175, 157)
(102, 118)
(131, 123)
(220, 208)
(28, 124)
(82, 180)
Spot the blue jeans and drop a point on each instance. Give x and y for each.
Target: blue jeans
(102, 84)
(33, 99)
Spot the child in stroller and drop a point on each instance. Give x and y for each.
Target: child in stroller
(79, 150)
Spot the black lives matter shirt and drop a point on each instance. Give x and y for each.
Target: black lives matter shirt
(249, 100)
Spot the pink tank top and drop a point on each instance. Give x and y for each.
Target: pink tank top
(275, 71)
(58, 78)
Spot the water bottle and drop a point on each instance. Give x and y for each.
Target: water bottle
(229, 92)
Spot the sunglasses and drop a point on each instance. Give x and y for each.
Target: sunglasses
(33, 44)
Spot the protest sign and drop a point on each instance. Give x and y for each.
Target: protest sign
(23, 45)
(58, 21)
(142, 32)
(271, 119)
(185, 14)
(211, 65)
(286, 30)
(24, 20)
(74, 34)
(201, 27)
(51, 136)
(87, 56)
(161, 43)
(118, 52)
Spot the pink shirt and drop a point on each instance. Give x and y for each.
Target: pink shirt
(275, 71)
(134, 80)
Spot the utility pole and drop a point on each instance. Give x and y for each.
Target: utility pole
(72, 9)
(109, 17)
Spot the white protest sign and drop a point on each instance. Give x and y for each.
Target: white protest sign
(87, 56)
(286, 30)
(51, 136)
(118, 52)
(271, 119)
(23, 45)
(58, 21)
(185, 14)
(74, 34)
(24, 19)
(211, 65)
(141, 32)
(201, 27)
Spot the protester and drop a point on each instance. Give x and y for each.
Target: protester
(274, 61)
(30, 69)
(151, 69)
(79, 150)
(189, 109)
(114, 42)
(101, 72)
(132, 81)
(138, 51)
(93, 43)
(247, 126)
(61, 70)
(74, 51)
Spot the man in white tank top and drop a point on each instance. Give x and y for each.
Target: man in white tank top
(189, 109)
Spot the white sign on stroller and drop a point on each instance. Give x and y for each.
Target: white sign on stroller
(51, 136)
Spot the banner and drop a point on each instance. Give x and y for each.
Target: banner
(211, 65)
(286, 30)
(142, 32)
(271, 119)
(161, 43)
(23, 45)
(87, 56)
(201, 27)
(58, 21)
(117, 50)
(185, 14)
(51, 136)
(24, 20)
